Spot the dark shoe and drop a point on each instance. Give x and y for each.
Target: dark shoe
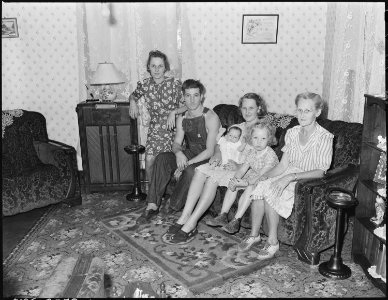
(233, 226)
(174, 228)
(183, 237)
(220, 220)
(147, 215)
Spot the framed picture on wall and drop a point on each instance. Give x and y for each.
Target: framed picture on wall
(9, 28)
(260, 29)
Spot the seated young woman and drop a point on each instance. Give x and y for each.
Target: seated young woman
(251, 106)
(307, 154)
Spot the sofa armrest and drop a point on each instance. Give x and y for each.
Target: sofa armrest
(332, 176)
(318, 231)
(64, 158)
(46, 152)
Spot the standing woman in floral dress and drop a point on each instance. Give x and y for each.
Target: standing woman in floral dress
(163, 99)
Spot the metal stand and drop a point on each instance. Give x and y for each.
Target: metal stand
(137, 194)
(334, 268)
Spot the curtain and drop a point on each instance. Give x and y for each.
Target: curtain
(124, 33)
(355, 60)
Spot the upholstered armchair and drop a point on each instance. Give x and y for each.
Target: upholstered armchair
(36, 171)
(311, 227)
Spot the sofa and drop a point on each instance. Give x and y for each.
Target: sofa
(36, 171)
(311, 227)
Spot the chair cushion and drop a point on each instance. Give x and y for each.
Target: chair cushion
(41, 186)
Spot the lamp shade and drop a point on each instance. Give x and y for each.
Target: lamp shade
(106, 73)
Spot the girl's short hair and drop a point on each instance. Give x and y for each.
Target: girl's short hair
(259, 102)
(318, 101)
(271, 130)
(157, 53)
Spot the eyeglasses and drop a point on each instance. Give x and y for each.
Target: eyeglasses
(301, 111)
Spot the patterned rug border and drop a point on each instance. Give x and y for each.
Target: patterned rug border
(195, 287)
(16, 251)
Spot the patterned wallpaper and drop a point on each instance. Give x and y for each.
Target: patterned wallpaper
(278, 72)
(40, 68)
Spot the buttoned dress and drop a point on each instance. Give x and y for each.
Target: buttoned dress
(315, 154)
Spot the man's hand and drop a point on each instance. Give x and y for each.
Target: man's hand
(133, 109)
(171, 120)
(231, 165)
(177, 173)
(181, 160)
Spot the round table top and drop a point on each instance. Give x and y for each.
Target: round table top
(339, 198)
(134, 149)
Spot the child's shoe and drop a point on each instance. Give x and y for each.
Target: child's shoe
(233, 226)
(218, 221)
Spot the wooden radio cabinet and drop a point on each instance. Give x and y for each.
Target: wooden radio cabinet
(105, 128)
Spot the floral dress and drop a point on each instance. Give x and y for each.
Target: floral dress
(160, 99)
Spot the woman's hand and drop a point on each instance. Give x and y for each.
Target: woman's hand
(215, 160)
(254, 180)
(171, 120)
(231, 165)
(280, 184)
(237, 182)
(133, 109)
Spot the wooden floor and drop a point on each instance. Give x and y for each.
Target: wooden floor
(17, 226)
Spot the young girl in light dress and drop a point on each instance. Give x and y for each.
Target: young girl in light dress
(258, 157)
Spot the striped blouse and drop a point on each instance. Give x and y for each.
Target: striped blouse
(316, 154)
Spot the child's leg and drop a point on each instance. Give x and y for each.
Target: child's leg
(206, 199)
(273, 222)
(244, 202)
(257, 213)
(193, 194)
(229, 198)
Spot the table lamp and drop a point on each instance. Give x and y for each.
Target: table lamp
(106, 75)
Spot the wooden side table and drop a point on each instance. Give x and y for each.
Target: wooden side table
(339, 199)
(137, 194)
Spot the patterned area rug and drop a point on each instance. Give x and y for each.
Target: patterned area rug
(206, 267)
(204, 261)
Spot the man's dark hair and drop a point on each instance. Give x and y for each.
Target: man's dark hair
(193, 84)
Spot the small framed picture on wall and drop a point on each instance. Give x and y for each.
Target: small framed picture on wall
(9, 28)
(260, 29)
